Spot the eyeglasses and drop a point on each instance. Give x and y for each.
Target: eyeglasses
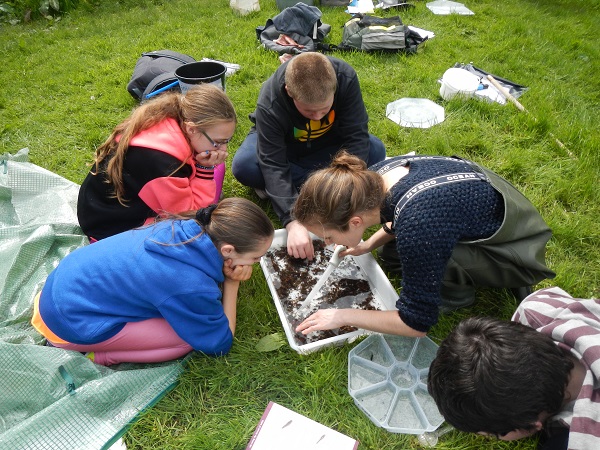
(213, 143)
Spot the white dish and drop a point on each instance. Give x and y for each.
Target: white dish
(415, 112)
(382, 290)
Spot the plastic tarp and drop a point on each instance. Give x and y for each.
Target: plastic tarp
(54, 398)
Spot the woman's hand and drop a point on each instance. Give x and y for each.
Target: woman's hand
(323, 319)
(360, 249)
(388, 322)
(299, 242)
(378, 239)
(211, 157)
(236, 273)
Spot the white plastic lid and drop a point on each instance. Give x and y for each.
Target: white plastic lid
(415, 112)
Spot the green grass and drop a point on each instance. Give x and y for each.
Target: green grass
(63, 89)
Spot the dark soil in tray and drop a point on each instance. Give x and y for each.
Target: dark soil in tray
(298, 276)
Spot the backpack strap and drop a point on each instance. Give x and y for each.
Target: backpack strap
(413, 40)
(324, 48)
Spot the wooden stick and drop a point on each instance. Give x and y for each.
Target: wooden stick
(507, 95)
(520, 107)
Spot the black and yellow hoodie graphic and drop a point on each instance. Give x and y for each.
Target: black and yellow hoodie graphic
(315, 128)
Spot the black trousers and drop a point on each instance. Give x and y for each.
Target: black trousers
(556, 439)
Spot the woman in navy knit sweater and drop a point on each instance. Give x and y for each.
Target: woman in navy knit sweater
(447, 226)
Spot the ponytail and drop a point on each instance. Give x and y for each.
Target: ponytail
(236, 221)
(203, 215)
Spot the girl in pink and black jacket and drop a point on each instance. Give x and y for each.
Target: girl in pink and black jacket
(167, 157)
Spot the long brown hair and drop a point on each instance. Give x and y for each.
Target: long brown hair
(205, 105)
(235, 221)
(332, 196)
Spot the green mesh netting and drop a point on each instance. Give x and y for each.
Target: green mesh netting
(54, 398)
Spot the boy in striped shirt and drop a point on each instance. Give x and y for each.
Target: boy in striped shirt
(538, 373)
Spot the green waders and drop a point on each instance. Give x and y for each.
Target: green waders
(513, 257)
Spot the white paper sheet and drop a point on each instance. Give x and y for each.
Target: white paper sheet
(423, 33)
(361, 6)
(445, 7)
(281, 428)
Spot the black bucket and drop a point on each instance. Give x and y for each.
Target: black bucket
(282, 4)
(200, 72)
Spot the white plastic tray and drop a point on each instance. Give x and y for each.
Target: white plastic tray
(381, 288)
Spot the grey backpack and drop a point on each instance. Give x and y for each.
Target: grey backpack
(370, 33)
(300, 22)
(155, 70)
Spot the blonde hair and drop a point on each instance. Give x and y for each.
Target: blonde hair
(332, 196)
(205, 105)
(310, 78)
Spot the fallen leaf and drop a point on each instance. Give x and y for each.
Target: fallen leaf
(270, 342)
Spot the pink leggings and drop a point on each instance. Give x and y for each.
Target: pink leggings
(149, 341)
(219, 176)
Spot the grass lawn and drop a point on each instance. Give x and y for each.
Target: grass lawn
(63, 89)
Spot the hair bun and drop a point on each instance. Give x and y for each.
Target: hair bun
(347, 161)
(203, 214)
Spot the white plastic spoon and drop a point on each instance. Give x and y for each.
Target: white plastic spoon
(334, 262)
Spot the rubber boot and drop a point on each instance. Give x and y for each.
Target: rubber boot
(390, 260)
(455, 297)
(522, 292)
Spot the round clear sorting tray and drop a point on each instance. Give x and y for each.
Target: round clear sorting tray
(387, 378)
(415, 112)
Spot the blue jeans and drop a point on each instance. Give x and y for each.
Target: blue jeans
(246, 170)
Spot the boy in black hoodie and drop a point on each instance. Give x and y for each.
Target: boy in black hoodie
(308, 110)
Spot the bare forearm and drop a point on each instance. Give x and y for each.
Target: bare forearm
(388, 322)
(230, 292)
(379, 238)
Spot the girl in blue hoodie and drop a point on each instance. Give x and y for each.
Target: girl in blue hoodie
(156, 293)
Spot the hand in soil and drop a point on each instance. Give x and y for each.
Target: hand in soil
(323, 319)
(299, 243)
(296, 278)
